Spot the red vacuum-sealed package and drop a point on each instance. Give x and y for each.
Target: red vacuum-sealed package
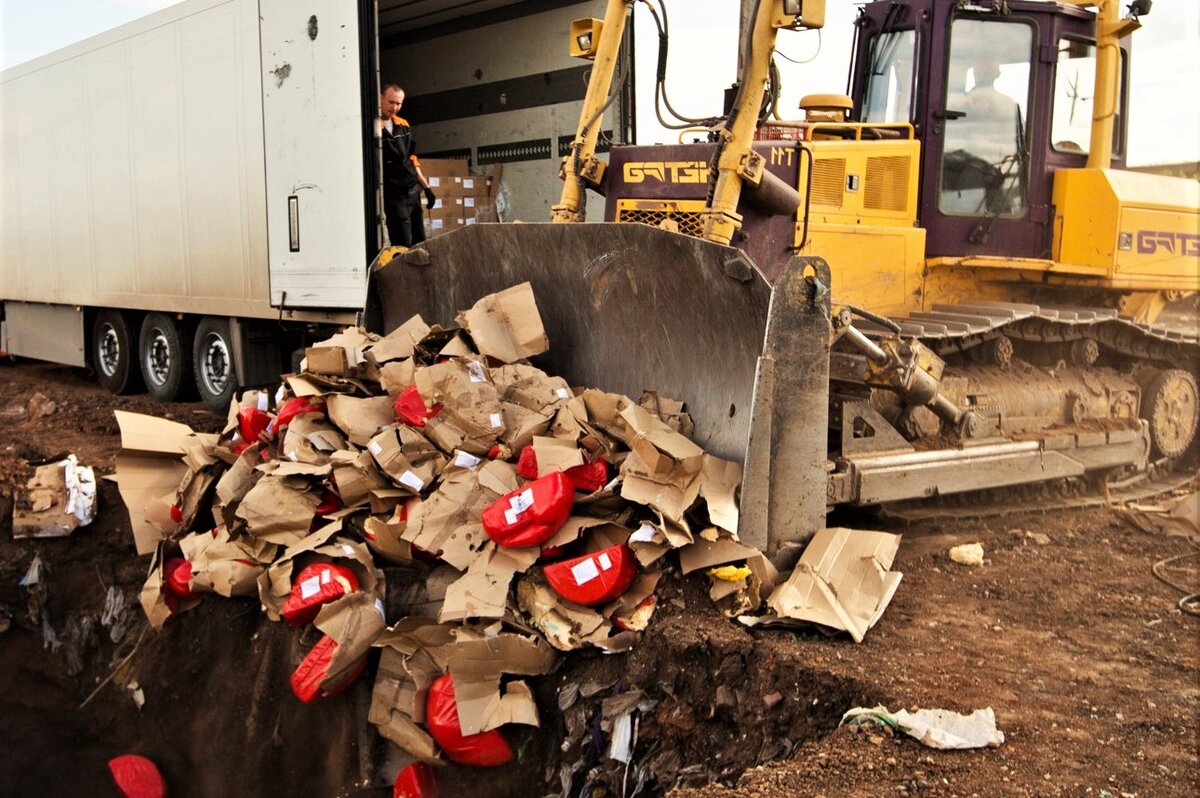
(177, 574)
(594, 578)
(314, 669)
(528, 516)
(251, 423)
(137, 777)
(410, 408)
(415, 781)
(485, 749)
(316, 586)
(589, 477)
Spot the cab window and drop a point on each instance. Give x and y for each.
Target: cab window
(985, 150)
(1074, 98)
(889, 94)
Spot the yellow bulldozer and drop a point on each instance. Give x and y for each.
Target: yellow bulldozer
(942, 282)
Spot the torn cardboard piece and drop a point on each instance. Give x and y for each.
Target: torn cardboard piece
(841, 581)
(223, 566)
(447, 523)
(59, 498)
(482, 592)
(400, 343)
(477, 666)
(281, 506)
(360, 419)
(354, 621)
(149, 470)
(507, 325)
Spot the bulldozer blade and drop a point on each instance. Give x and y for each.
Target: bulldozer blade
(629, 308)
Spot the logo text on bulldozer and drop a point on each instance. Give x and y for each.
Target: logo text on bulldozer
(666, 171)
(1149, 242)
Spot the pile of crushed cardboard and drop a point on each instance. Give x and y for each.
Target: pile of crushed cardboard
(437, 445)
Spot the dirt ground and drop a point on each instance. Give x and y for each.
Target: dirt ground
(1092, 671)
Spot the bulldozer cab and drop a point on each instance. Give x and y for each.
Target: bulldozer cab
(1000, 96)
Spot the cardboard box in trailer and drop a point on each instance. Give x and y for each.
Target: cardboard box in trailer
(198, 188)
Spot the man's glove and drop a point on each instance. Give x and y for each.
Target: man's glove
(430, 198)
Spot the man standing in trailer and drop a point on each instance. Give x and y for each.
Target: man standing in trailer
(403, 181)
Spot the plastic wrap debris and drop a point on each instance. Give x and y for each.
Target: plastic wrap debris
(59, 498)
(936, 728)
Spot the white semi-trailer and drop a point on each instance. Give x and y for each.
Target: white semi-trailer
(193, 195)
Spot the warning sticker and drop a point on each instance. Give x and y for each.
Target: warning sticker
(411, 480)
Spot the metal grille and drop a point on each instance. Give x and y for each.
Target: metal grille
(829, 181)
(687, 222)
(886, 183)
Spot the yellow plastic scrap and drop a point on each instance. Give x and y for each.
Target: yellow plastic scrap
(730, 573)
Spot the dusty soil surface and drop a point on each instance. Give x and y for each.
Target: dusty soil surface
(1093, 672)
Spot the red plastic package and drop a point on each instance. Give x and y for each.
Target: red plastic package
(410, 408)
(296, 406)
(177, 574)
(415, 781)
(594, 578)
(251, 423)
(330, 503)
(137, 777)
(176, 513)
(589, 477)
(485, 749)
(528, 516)
(316, 586)
(314, 669)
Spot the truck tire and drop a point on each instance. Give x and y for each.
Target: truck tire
(212, 355)
(114, 353)
(165, 356)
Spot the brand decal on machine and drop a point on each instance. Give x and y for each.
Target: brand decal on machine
(1149, 242)
(666, 171)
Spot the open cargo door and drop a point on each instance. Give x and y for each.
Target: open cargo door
(313, 113)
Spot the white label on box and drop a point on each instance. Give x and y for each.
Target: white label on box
(292, 457)
(497, 420)
(434, 182)
(605, 562)
(310, 587)
(411, 480)
(562, 393)
(468, 182)
(374, 447)
(279, 394)
(437, 203)
(468, 221)
(349, 552)
(437, 224)
(645, 534)
(465, 460)
(475, 369)
(585, 571)
(468, 202)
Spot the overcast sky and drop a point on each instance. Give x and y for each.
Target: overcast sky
(1164, 117)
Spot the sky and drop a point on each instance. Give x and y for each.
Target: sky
(1164, 121)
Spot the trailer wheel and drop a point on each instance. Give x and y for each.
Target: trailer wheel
(113, 353)
(212, 354)
(165, 355)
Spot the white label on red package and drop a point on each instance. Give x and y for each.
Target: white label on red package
(262, 401)
(325, 577)
(605, 562)
(585, 571)
(645, 534)
(310, 587)
(280, 392)
(411, 480)
(475, 369)
(464, 460)
(517, 505)
(374, 447)
(497, 420)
